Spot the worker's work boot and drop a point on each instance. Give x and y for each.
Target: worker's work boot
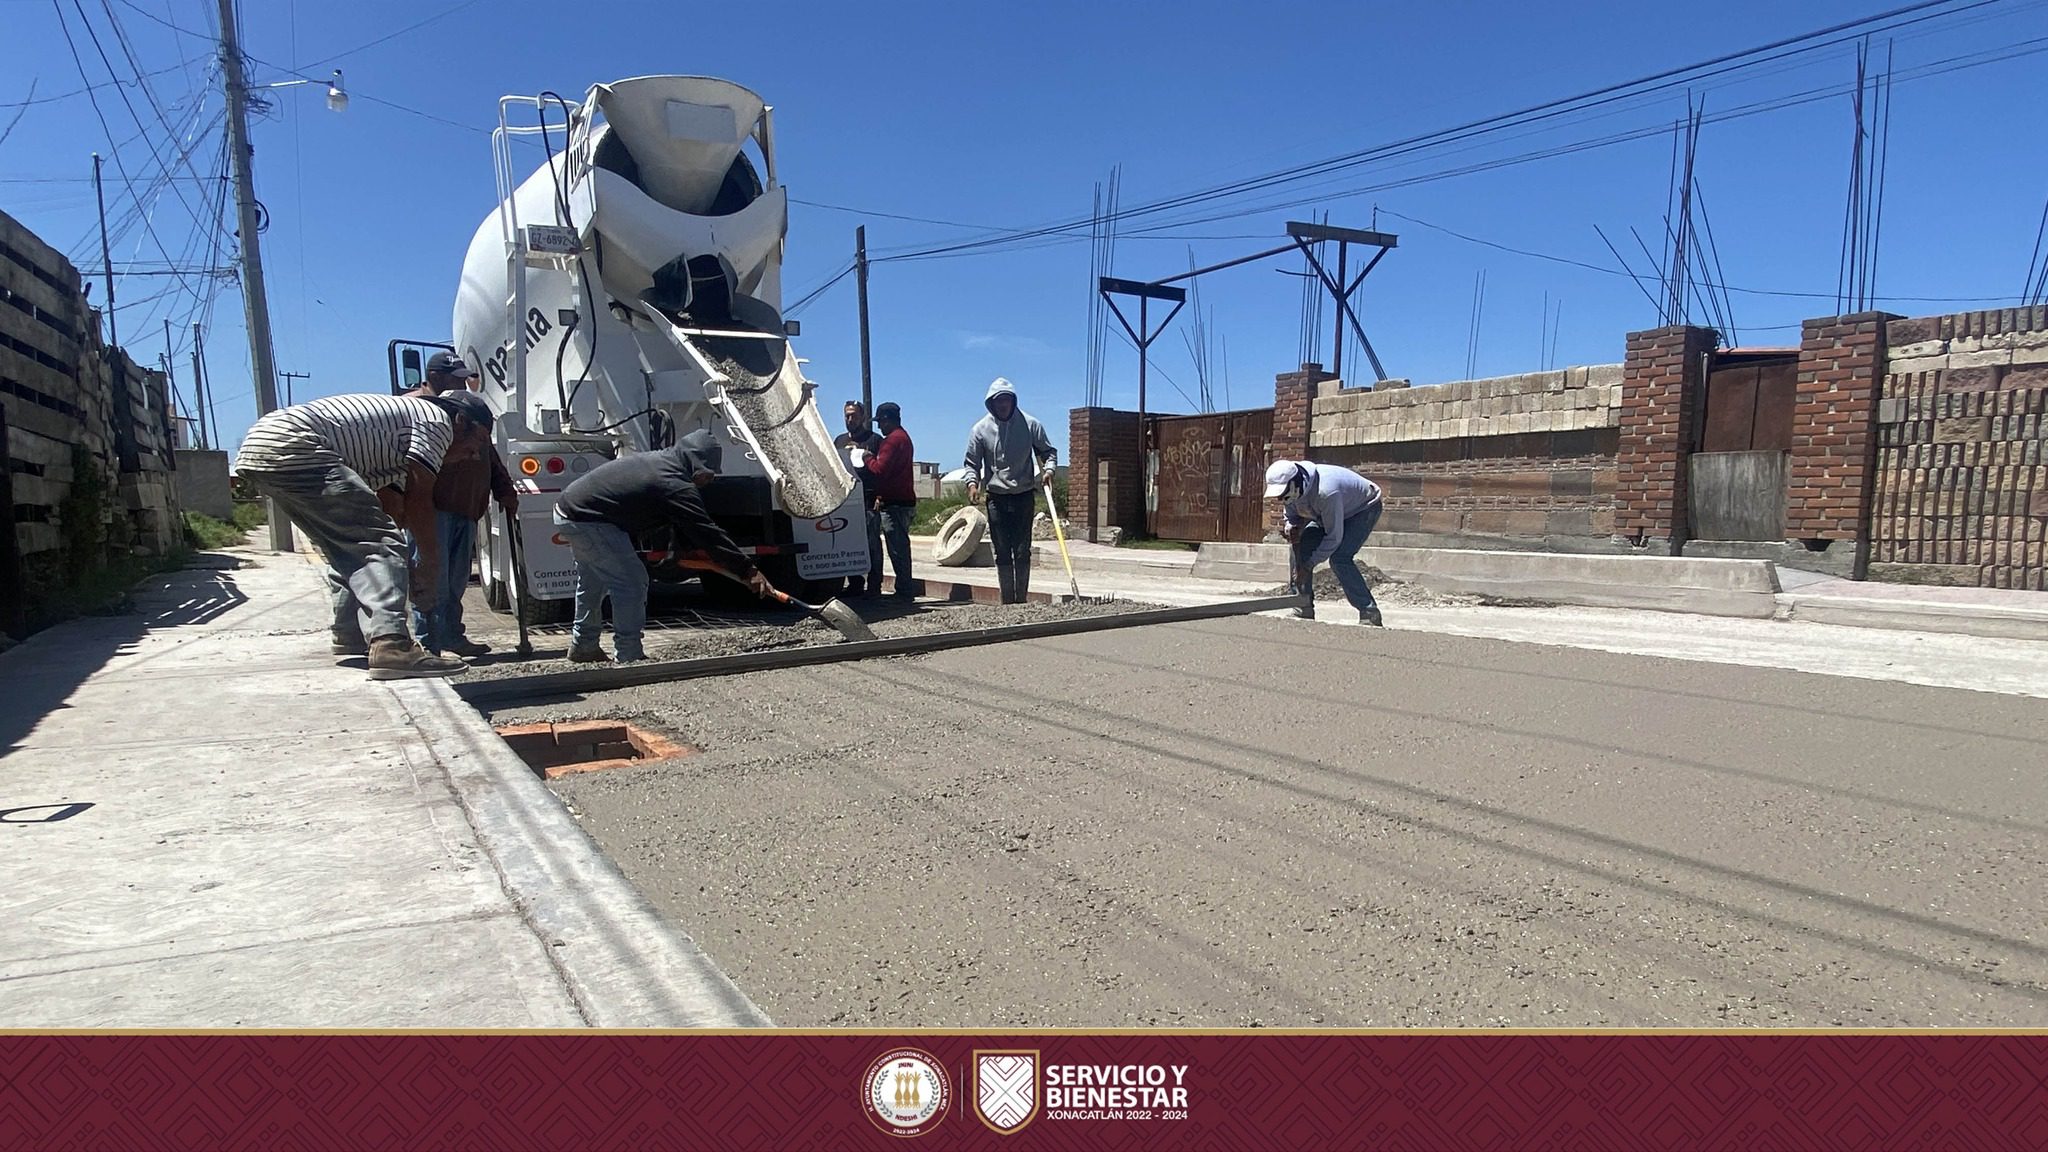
(1305, 611)
(398, 658)
(464, 646)
(592, 655)
(1371, 617)
(342, 645)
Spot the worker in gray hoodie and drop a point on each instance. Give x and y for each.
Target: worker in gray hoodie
(1329, 512)
(1009, 457)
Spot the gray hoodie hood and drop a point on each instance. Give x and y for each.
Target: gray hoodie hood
(700, 450)
(1001, 387)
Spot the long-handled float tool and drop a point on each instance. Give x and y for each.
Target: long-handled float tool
(1060, 534)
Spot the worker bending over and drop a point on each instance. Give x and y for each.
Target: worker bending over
(323, 462)
(1009, 456)
(1330, 511)
(603, 510)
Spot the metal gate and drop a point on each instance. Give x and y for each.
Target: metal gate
(1205, 476)
(1737, 474)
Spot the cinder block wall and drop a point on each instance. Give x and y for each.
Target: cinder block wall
(1960, 484)
(1524, 457)
(203, 484)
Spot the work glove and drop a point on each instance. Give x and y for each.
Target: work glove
(1045, 478)
(857, 456)
(760, 585)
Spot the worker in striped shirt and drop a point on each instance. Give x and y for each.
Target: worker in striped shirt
(323, 462)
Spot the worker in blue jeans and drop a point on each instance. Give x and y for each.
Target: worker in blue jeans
(1329, 514)
(598, 514)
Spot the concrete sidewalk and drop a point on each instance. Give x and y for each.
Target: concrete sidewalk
(1925, 657)
(210, 823)
(1702, 586)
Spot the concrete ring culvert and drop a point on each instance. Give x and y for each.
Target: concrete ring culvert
(959, 536)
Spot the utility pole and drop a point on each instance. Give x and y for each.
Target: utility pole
(288, 377)
(860, 264)
(199, 386)
(170, 376)
(106, 260)
(255, 304)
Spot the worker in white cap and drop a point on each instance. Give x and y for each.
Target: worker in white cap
(1329, 513)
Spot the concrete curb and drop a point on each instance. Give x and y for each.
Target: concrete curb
(1710, 587)
(1987, 620)
(625, 965)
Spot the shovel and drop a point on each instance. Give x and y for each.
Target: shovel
(834, 612)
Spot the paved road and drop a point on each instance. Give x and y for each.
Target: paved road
(1263, 822)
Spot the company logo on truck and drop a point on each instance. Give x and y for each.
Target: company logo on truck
(537, 326)
(832, 524)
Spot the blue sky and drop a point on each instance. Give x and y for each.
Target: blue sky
(1007, 116)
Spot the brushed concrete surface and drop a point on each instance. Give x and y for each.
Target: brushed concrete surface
(257, 835)
(1268, 822)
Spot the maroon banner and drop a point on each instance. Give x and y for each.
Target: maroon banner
(776, 1090)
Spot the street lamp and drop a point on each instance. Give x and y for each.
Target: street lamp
(337, 96)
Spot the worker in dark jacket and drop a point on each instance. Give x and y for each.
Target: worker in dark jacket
(599, 514)
(892, 491)
(462, 493)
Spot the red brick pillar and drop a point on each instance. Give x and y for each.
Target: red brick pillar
(1834, 429)
(1661, 388)
(1102, 451)
(1083, 442)
(1294, 395)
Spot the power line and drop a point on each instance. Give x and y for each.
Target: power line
(1645, 85)
(413, 27)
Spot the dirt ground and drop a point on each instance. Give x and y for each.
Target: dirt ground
(1264, 822)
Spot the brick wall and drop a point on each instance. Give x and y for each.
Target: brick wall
(1294, 395)
(1960, 479)
(1522, 457)
(1661, 385)
(1834, 426)
(1103, 451)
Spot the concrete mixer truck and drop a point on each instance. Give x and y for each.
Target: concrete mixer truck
(628, 292)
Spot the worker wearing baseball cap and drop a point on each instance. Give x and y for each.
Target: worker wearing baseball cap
(462, 494)
(1329, 513)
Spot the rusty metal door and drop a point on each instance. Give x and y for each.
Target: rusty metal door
(1251, 437)
(1207, 476)
(1737, 472)
(1185, 496)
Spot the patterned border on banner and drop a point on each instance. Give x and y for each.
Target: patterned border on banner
(1171, 1090)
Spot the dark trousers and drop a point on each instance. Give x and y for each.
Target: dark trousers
(874, 550)
(896, 541)
(1009, 527)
